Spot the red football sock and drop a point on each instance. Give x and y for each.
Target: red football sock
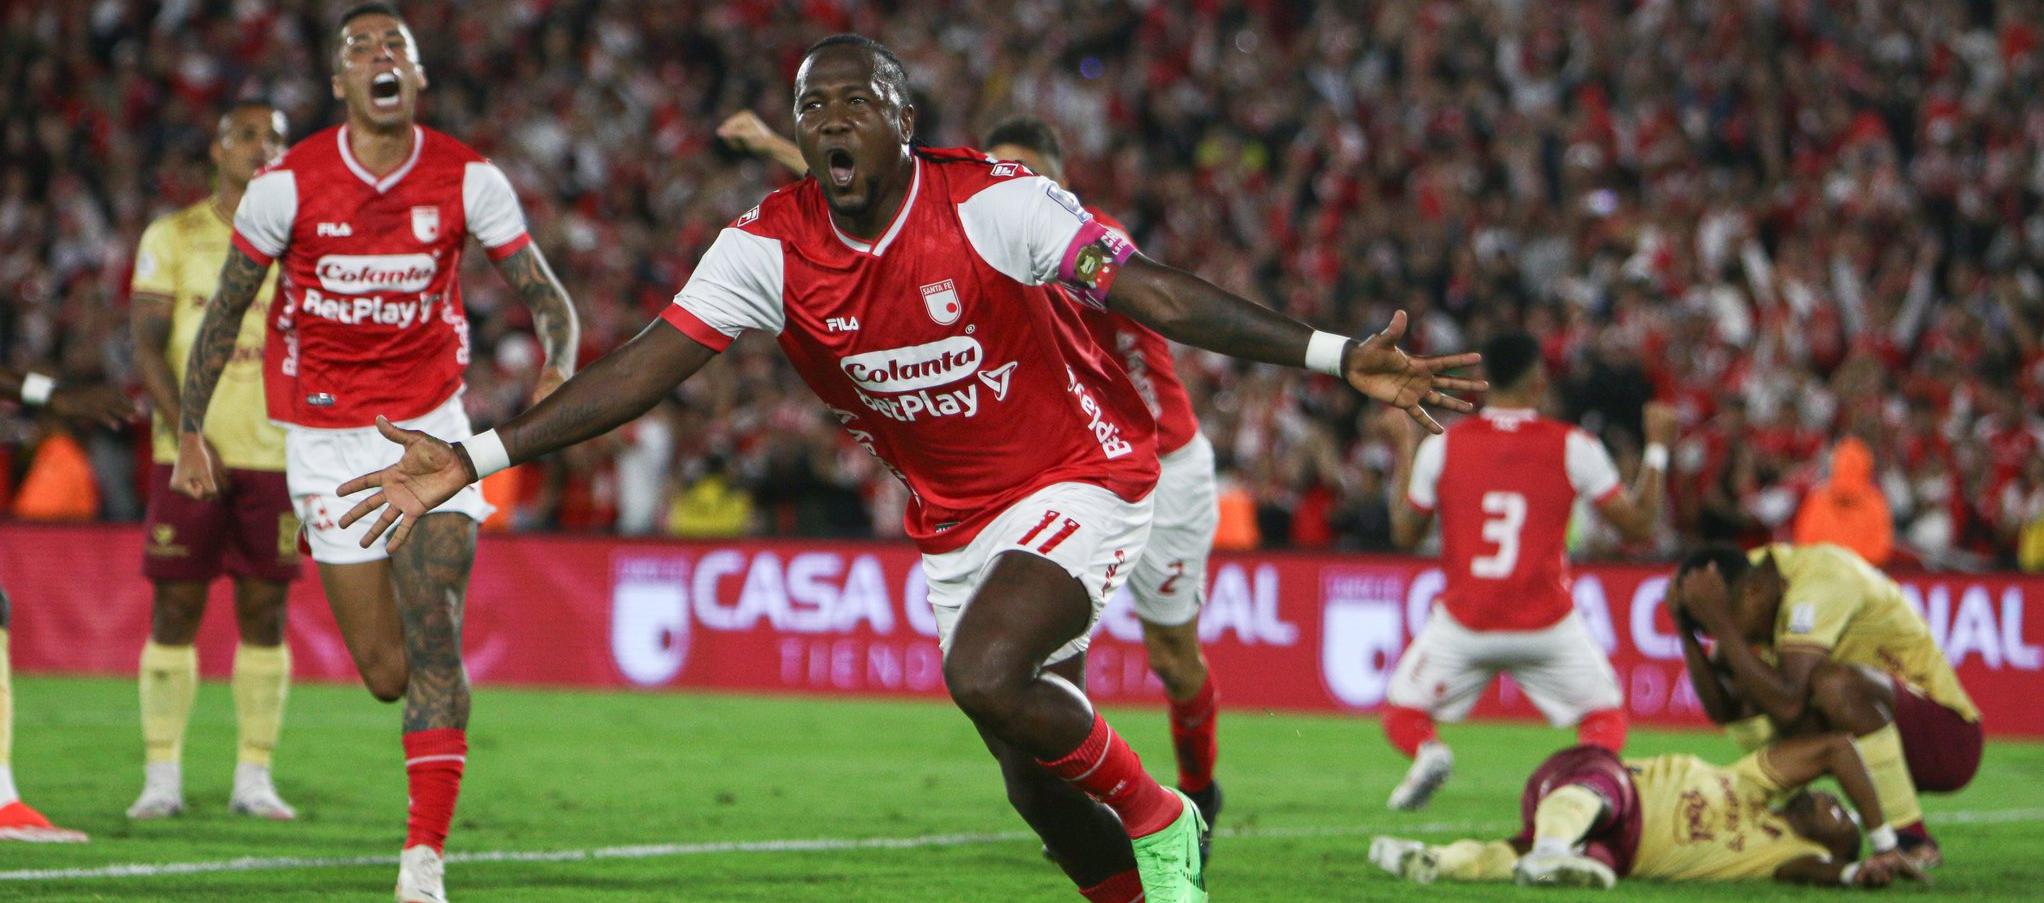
(1407, 728)
(1126, 887)
(1110, 772)
(1915, 831)
(1192, 736)
(433, 764)
(1604, 727)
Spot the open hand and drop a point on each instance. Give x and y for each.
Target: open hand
(1378, 368)
(427, 475)
(1883, 868)
(103, 405)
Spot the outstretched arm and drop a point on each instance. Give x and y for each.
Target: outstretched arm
(611, 392)
(1193, 311)
(101, 404)
(1636, 513)
(240, 278)
(553, 315)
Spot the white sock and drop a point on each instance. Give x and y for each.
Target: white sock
(250, 772)
(7, 791)
(1551, 846)
(163, 774)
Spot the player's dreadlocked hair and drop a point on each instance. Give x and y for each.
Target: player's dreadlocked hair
(1508, 357)
(1732, 562)
(1026, 132)
(886, 66)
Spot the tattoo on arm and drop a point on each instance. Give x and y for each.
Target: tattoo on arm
(553, 315)
(240, 278)
(150, 321)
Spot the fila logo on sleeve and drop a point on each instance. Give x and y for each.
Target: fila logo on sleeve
(1003, 170)
(333, 230)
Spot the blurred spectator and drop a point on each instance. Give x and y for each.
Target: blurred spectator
(710, 507)
(1847, 509)
(59, 484)
(1794, 221)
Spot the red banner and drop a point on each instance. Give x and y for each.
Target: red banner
(1302, 632)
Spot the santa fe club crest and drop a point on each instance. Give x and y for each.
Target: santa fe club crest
(941, 300)
(426, 223)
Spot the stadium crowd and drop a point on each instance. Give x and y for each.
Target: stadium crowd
(1814, 227)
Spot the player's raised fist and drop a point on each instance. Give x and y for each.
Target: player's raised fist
(1659, 422)
(429, 473)
(745, 131)
(1379, 369)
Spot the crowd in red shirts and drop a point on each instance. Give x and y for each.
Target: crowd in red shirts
(1799, 221)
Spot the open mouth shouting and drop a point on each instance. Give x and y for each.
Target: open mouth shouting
(838, 165)
(385, 91)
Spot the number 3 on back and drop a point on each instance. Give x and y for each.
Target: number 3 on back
(1504, 515)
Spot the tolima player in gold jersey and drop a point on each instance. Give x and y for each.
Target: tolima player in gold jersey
(1814, 639)
(250, 530)
(1590, 818)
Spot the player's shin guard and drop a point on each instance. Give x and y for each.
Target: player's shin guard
(1407, 728)
(1476, 860)
(169, 682)
(1564, 815)
(1108, 770)
(1605, 728)
(1881, 752)
(262, 678)
(1192, 737)
(1126, 887)
(433, 765)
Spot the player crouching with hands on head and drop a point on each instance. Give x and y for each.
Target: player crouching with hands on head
(1813, 639)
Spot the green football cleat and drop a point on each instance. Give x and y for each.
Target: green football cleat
(1169, 860)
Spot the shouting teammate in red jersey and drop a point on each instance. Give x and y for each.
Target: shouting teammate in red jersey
(1505, 484)
(368, 222)
(908, 287)
(1169, 582)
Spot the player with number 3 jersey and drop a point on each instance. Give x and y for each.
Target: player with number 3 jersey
(1504, 484)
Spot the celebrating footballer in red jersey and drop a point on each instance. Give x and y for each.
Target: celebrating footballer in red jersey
(1168, 583)
(909, 287)
(1504, 484)
(368, 222)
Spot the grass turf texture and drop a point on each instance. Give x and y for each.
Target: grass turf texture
(555, 771)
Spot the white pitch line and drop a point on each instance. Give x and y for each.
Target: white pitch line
(814, 845)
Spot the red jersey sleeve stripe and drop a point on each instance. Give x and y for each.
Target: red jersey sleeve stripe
(681, 319)
(1423, 509)
(510, 247)
(254, 253)
(1609, 494)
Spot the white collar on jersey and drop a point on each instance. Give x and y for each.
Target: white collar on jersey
(397, 175)
(1510, 413)
(900, 217)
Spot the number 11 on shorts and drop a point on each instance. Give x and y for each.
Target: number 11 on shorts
(1070, 526)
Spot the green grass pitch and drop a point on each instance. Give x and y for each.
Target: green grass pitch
(707, 783)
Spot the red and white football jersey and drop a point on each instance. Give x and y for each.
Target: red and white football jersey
(368, 318)
(1504, 483)
(1146, 357)
(939, 345)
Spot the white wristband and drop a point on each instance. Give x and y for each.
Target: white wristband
(1882, 839)
(1324, 352)
(1656, 457)
(487, 453)
(1847, 874)
(36, 389)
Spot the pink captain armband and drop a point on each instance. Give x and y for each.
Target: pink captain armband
(1092, 261)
